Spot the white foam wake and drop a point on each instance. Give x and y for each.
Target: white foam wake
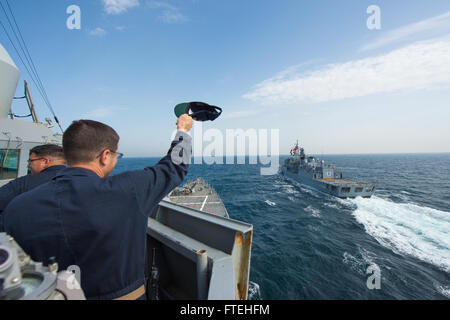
(407, 229)
(254, 291)
(444, 290)
(270, 203)
(314, 211)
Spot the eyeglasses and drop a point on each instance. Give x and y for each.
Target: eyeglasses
(32, 160)
(119, 154)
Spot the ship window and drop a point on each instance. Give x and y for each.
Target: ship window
(334, 188)
(369, 189)
(358, 189)
(345, 190)
(9, 164)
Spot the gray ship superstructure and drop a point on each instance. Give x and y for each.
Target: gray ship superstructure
(323, 177)
(18, 137)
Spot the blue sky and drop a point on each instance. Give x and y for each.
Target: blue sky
(311, 69)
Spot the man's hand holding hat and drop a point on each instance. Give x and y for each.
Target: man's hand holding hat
(184, 123)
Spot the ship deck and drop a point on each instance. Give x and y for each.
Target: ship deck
(207, 203)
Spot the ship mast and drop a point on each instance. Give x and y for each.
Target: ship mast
(30, 103)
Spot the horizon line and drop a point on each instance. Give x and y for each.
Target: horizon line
(315, 154)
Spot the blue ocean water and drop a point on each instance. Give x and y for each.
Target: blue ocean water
(308, 245)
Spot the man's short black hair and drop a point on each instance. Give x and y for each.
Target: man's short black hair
(84, 140)
(50, 150)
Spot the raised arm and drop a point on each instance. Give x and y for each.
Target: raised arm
(154, 183)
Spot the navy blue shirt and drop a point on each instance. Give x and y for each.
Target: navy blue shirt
(97, 224)
(24, 184)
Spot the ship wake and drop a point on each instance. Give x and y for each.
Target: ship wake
(407, 229)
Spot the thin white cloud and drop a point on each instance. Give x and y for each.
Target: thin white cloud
(99, 32)
(417, 66)
(241, 114)
(103, 112)
(160, 4)
(438, 25)
(119, 6)
(169, 14)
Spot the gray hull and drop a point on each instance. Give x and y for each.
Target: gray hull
(341, 188)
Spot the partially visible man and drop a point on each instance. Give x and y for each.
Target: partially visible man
(98, 222)
(44, 157)
(44, 162)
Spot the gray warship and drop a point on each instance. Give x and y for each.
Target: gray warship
(323, 177)
(191, 254)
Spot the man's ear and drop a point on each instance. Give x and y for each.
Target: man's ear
(104, 157)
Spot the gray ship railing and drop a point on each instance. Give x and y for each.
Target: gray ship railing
(199, 255)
